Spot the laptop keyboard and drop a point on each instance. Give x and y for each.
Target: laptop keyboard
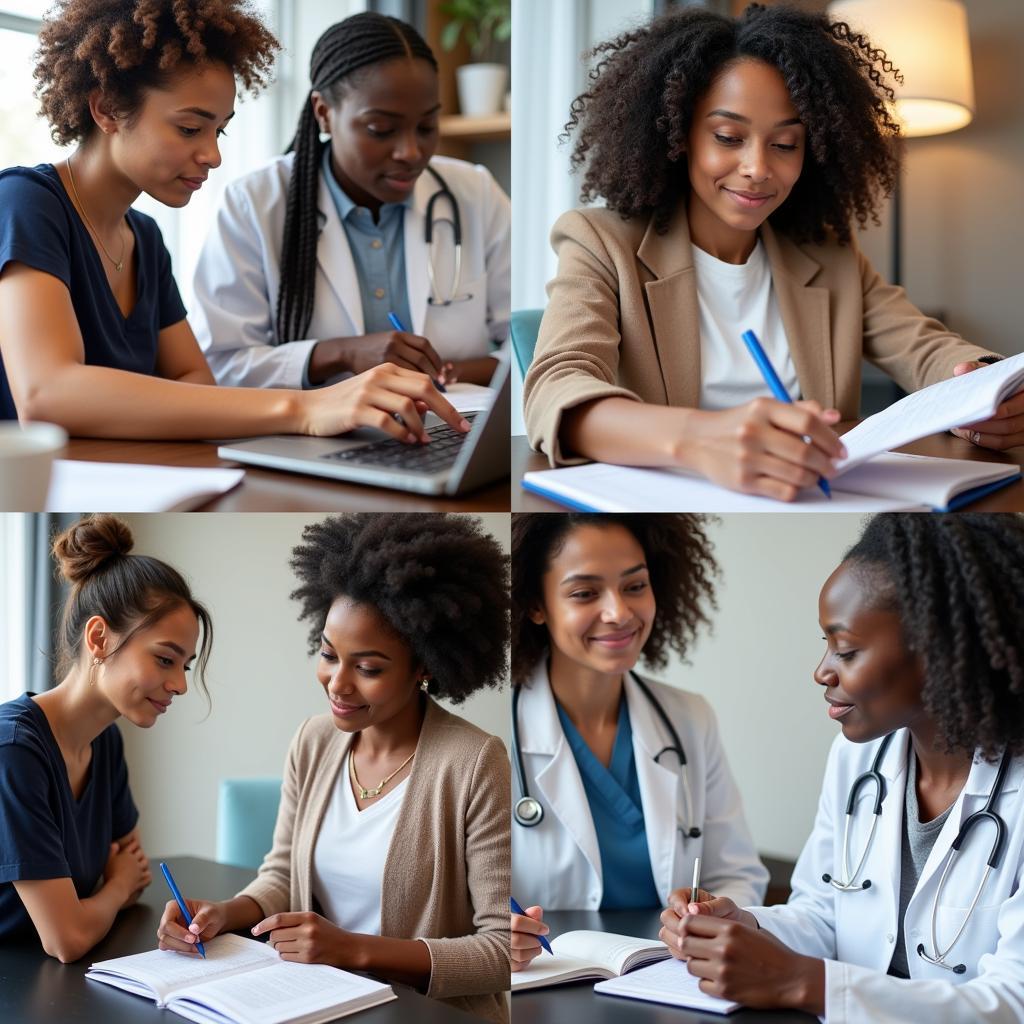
(442, 451)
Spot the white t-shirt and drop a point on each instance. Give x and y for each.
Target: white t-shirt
(733, 299)
(349, 855)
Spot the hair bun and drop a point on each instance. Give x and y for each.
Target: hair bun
(89, 544)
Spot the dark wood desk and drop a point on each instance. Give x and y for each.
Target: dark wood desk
(1007, 499)
(579, 1002)
(268, 490)
(36, 989)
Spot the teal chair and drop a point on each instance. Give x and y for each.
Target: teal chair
(525, 325)
(246, 813)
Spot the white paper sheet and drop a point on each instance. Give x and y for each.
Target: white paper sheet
(667, 982)
(956, 402)
(125, 487)
(470, 397)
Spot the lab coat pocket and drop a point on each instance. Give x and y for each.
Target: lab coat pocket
(458, 330)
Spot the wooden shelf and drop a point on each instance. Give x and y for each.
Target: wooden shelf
(477, 129)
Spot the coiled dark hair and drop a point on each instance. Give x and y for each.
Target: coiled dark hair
(680, 561)
(957, 583)
(633, 122)
(354, 43)
(439, 580)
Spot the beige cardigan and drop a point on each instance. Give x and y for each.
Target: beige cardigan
(622, 319)
(447, 875)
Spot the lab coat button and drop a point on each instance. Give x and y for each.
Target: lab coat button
(890, 937)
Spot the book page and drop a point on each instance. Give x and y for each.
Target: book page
(668, 982)
(282, 992)
(605, 948)
(956, 402)
(550, 970)
(600, 487)
(166, 972)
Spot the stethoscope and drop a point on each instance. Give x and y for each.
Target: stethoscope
(444, 193)
(528, 811)
(987, 813)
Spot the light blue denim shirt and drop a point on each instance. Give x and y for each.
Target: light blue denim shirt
(378, 252)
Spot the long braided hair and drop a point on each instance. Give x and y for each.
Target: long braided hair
(344, 48)
(957, 583)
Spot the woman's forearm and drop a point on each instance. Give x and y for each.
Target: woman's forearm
(631, 433)
(241, 912)
(97, 401)
(475, 371)
(402, 960)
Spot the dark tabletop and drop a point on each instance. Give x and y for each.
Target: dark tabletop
(577, 1001)
(35, 988)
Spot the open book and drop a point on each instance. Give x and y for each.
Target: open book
(241, 981)
(869, 480)
(586, 954)
(668, 982)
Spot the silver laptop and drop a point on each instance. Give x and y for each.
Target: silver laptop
(450, 464)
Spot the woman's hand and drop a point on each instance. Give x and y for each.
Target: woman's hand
(387, 397)
(750, 966)
(208, 919)
(760, 447)
(127, 868)
(1005, 429)
(362, 353)
(525, 929)
(308, 938)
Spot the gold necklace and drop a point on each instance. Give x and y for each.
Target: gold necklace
(366, 794)
(118, 264)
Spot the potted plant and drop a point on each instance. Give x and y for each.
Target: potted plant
(484, 24)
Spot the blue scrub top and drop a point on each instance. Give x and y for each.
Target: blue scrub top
(41, 228)
(44, 831)
(613, 794)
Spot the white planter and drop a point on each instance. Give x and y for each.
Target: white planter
(481, 88)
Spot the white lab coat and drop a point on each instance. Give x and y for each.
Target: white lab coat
(239, 271)
(557, 863)
(855, 932)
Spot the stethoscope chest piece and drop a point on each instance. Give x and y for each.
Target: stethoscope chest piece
(528, 812)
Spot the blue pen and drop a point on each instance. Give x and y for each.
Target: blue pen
(180, 900)
(516, 909)
(397, 324)
(778, 391)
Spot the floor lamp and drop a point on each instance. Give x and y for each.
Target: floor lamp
(929, 43)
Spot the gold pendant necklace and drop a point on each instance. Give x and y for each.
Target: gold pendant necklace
(118, 264)
(366, 794)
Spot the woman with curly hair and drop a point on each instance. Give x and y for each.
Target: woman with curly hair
(391, 850)
(310, 254)
(626, 779)
(70, 854)
(897, 914)
(93, 334)
(732, 156)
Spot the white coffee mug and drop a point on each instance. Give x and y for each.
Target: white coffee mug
(27, 452)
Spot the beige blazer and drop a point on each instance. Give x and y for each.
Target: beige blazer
(622, 319)
(447, 875)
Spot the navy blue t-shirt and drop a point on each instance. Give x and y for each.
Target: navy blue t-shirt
(44, 831)
(40, 228)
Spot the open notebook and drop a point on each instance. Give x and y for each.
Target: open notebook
(241, 981)
(586, 954)
(668, 982)
(869, 480)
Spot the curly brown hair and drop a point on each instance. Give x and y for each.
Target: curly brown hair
(124, 47)
(439, 580)
(957, 583)
(680, 562)
(632, 123)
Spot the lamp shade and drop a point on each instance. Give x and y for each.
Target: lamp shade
(929, 43)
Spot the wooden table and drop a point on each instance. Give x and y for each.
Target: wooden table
(1007, 499)
(579, 1002)
(268, 490)
(36, 989)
